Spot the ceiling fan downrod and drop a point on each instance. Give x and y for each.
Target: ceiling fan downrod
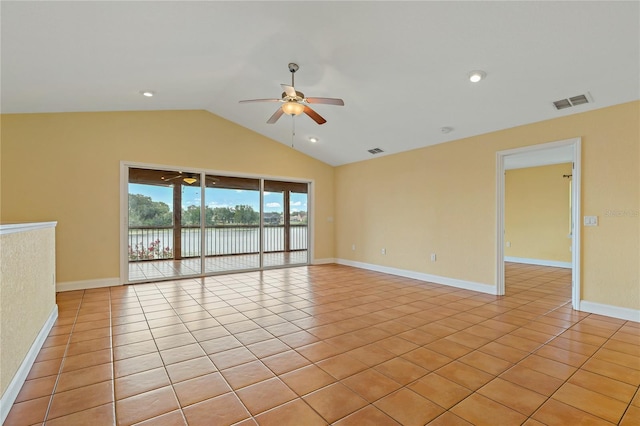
(293, 67)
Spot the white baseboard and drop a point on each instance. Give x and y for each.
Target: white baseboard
(11, 393)
(610, 311)
(541, 262)
(437, 279)
(323, 261)
(87, 284)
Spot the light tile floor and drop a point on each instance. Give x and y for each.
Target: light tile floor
(332, 344)
(162, 269)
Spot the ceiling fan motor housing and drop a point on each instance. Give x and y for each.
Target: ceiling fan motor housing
(299, 96)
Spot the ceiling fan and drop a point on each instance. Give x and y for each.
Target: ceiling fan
(295, 103)
(189, 178)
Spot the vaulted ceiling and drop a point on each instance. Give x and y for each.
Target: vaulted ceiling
(401, 67)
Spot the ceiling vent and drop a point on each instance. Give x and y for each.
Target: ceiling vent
(571, 102)
(375, 151)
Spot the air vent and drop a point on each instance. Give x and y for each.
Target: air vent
(375, 151)
(571, 102)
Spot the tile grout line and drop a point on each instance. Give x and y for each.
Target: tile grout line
(391, 289)
(549, 397)
(175, 395)
(64, 357)
(251, 416)
(234, 391)
(531, 352)
(432, 371)
(113, 358)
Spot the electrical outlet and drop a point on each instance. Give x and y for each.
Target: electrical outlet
(383, 251)
(591, 221)
(433, 257)
(353, 247)
(508, 243)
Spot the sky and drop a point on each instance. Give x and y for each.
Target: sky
(218, 197)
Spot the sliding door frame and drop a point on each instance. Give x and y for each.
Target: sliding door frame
(124, 216)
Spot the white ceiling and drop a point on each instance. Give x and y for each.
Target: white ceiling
(401, 67)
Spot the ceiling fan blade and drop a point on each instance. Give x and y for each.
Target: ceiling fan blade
(289, 90)
(328, 101)
(260, 100)
(314, 115)
(276, 115)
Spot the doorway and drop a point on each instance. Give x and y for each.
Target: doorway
(185, 223)
(531, 156)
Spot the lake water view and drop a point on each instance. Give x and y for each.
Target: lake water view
(218, 240)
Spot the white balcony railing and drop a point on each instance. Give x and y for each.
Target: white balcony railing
(151, 243)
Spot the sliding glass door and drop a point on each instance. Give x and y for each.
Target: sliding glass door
(163, 233)
(285, 227)
(183, 224)
(232, 228)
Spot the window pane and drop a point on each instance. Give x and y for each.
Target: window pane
(232, 223)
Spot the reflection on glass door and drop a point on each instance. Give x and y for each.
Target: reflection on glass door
(189, 248)
(159, 241)
(179, 226)
(299, 227)
(232, 227)
(285, 227)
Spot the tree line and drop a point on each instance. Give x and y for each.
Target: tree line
(143, 211)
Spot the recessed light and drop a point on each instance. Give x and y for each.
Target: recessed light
(476, 76)
(147, 93)
(446, 129)
(313, 139)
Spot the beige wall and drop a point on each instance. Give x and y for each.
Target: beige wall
(438, 199)
(442, 199)
(27, 284)
(537, 213)
(66, 167)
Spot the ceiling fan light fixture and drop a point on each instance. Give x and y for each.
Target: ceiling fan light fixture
(190, 180)
(292, 108)
(476, 76)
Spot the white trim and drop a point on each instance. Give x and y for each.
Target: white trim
(576, 205)
(261, 231)
(124, 222)
(576, 143)
(437, 279)
(311, 221)
(87, 284)
(500, 172)
(325, 261)
(610, 311)
(13, 228)
(541, 262)
(11, 393)
(203, 223)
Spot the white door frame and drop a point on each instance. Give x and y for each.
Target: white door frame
(575, 143)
